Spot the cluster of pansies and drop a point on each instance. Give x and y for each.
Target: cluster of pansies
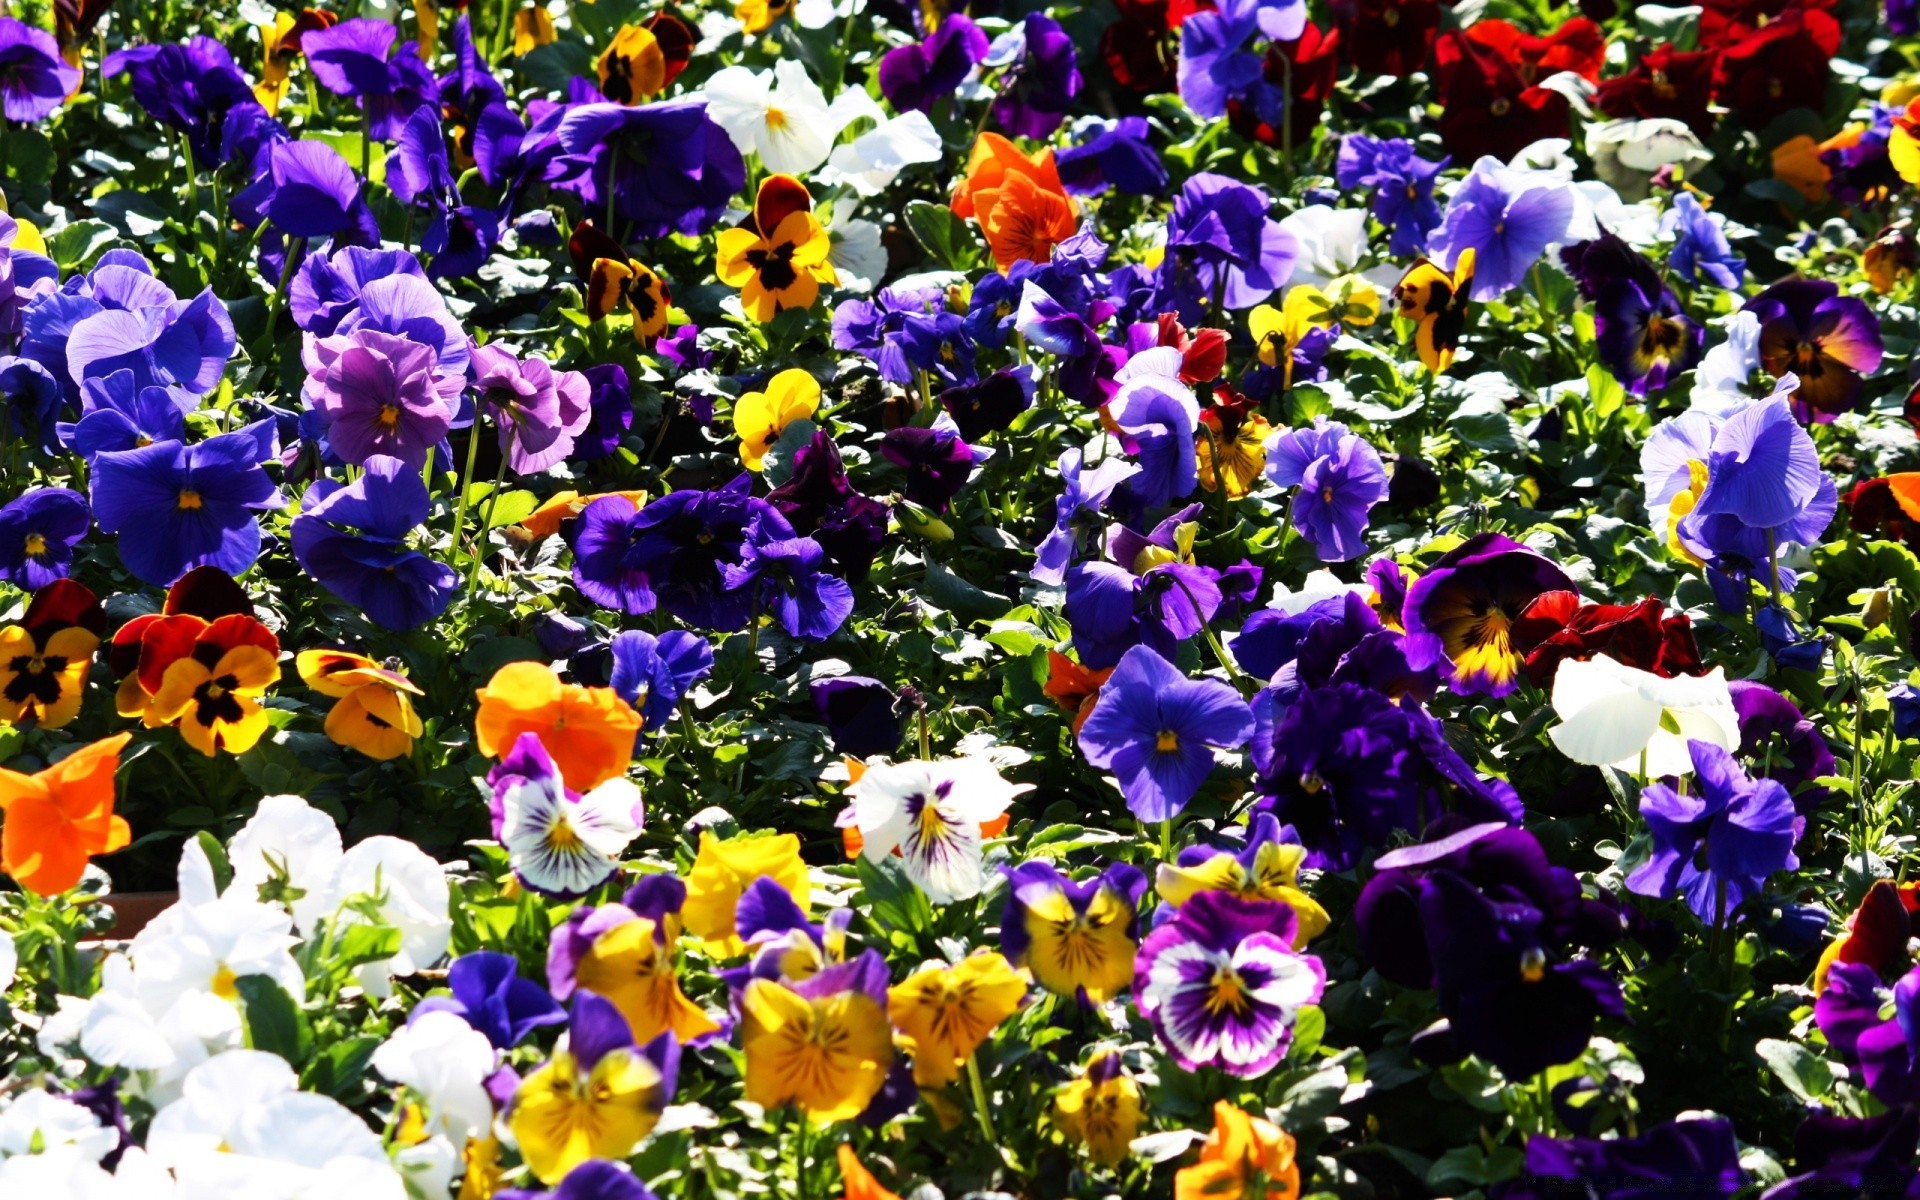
(833, 598)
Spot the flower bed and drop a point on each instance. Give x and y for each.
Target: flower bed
(847, 599)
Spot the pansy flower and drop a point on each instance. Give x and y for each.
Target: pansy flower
(778, 257)
(931, 814)
(1020, 203)
(557, 840)
(1780, 64)
(633, 66)
(1665, 82)
(1436, 299)
(44, 660)
(914, 77)
(653, 673)
(59, 817)
(1470, 599)
(820, 502)
(823, 1045)
(378, 393)
(722, 871)
(355, 58)
(144, 647)
(1222, 246)
(489, 993)
(1508, 218)
(1244, 1156)
(352, 538)
(1101, 1109)
(1293, 337)
(1157, 731)
(1340, 479)
(1828, 341)
(1039, 77)
(176, 506)
(945, 1013)
(34, 79)
(1697, 1156)
(1493, 102)
(1716, 845)
(1231, 449)
(1263, 868)
(626, 953)
(612, 279)
(759, 418)
(280, 49)
(373, 710)
(1222, 983)
(212, 693)
(1075, 688)
(38, 531)
(598, 1096)
(668, 165)
(588, 732)
(1559, 626)
(1077, 938)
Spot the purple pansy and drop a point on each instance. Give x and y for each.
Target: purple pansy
(353, 539)
(38, 531)
(1156, 730)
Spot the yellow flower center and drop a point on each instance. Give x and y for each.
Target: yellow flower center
(390, 415)
(776, 119)
(36, 544)
(1167, 742)
(563, 836)
(1227, 992)
(1533, 965)
(189, 498)
(223, 983)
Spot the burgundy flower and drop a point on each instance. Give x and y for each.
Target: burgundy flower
(1723, 22)
(1828, 340)
(1577, 46)
(1666, 83)
(1387, 37)
(1780, 66)
(1486, 106)
(1139, 49)
(1557, 626)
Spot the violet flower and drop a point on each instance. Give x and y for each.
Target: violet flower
(193, 87)
(34, 79)
(1508, 218)
(1039, 80)
(1156, 730)
(653, 673)
(1402, 186)
(671, 169)
(1340, 478)
(537, 410)
(1217, 64)
(353, 539)
(1222, 246)
(177, 507)
(1718, 844)
(916, 77)
(490, 994)
(352, 59)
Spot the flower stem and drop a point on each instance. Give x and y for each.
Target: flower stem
(486, 523)
(466, 481)
(979, 1090)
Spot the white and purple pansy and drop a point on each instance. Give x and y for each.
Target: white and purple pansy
(558, 841)
(1222, 983)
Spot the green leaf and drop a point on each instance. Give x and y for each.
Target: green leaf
(511, 508)
(75, 246)
(963, 599)
(273, 1022)
(216, 858)
(339, 1068)
(361, 944)
(945, 236)
(1306, 402)
(1806, 1075)
(777, 465)
(491, 654)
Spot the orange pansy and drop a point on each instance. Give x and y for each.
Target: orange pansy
(60, 817)
(589, 731)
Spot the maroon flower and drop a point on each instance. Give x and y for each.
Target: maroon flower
(1387, 37)
(1879, 508)
(1780, 66)
(1724, 22)
(1666, 83)
(1486, 107)
(1557, 626)
(1139, 48)
(1577, 46)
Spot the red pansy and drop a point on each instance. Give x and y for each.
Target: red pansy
(1665, 83)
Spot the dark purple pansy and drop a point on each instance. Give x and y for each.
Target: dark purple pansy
(918, 76)
(34, 79)
(1828, 341)
(1039, 80)
(859, 713)
(490, 994)
(38, 531)
(353, 539)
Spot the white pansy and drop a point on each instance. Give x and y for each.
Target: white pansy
(1720, 381)
(1613, 715)
(405, 889)
(1332, 241)
(38, 1122)
(428, 1168)
(67, 1174)
(931, 813)
(869, 163)
(242, 1128)
(818, 14)
(557, 841)
(780, 115)
(1317, 586)
(290, 839)
(447, 1061)
(858, 256)
(1627, 153)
